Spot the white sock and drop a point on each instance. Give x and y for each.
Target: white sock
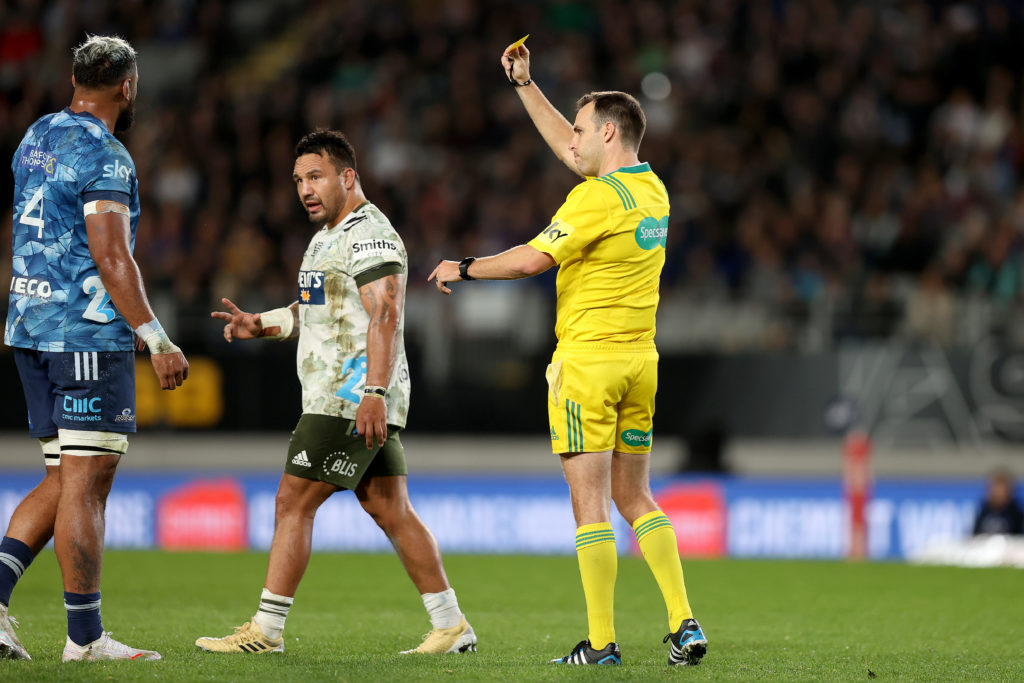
(272, 612)
(443, 608)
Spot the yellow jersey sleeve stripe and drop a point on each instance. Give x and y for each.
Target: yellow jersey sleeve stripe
(625, 189)
(622, 197)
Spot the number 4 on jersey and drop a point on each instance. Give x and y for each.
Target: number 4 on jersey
(26, 219)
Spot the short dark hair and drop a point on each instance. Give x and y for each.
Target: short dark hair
(102, 61)
(331, 143)
(620, 108)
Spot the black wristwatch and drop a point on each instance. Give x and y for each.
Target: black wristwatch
(464, 268)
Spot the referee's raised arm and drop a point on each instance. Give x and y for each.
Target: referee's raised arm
(553, 127)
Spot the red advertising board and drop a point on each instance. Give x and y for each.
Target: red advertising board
(203, 515)
(697, 512)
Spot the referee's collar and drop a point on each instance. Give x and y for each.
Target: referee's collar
(639, 168)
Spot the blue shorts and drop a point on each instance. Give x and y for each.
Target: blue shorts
(85, 390)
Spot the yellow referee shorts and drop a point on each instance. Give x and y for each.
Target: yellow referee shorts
(601, 396)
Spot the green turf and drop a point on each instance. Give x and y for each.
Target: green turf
(765, 620)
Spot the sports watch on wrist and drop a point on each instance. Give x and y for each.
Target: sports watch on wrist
(464, 268)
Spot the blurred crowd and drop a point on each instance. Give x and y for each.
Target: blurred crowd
(864, 154)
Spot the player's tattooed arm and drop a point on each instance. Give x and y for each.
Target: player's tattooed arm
(383, 299)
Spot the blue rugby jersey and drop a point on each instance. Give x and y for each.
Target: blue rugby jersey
(57, 301)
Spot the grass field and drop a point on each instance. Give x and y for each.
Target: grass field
(764, 620)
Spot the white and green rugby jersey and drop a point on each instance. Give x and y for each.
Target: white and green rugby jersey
(331, 357)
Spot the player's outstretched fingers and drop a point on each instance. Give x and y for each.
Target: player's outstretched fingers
(235, 310)
(227, 332)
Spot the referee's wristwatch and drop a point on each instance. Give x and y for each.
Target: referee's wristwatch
(464, 268)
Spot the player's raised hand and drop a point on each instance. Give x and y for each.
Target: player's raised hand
(240, 325)
(446, 271)
(516, 63)
(171, 369)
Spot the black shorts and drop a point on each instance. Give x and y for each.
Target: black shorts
(85, 390)
(327, 448)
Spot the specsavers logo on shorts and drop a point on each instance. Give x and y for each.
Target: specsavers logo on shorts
(311, 287)
(652, 233)
(634, 437)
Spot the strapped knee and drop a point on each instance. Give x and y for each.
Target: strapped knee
(51, 450)
(86, 443)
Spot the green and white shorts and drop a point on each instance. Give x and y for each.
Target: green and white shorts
(327, 448)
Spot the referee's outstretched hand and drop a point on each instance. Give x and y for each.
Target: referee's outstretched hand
(516, 63)
(240, 325)
(446, 271)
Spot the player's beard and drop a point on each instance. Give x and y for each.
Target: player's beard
(126, 118)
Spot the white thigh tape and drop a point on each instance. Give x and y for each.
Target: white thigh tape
(51, 450)
(83, 443)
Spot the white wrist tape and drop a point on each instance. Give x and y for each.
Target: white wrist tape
(152, 333)
(279, 317)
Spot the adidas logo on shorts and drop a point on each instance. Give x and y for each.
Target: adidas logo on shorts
(301, 459)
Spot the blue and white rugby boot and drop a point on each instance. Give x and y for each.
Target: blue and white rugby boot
(687, 645)
(584, 654)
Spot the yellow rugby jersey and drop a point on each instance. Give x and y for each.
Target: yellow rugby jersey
(609, 241)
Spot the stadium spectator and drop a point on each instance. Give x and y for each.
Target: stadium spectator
(1000, 512)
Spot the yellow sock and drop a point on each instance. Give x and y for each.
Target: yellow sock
(599, 562)
(657, 541)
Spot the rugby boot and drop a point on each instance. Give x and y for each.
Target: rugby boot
(10, 646)
(687, 645)
(247, 638)
(584, 654)
(460, 638)
(104, 648)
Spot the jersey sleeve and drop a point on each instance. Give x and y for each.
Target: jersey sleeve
(582, 219)
(375, 251)
(107, 173)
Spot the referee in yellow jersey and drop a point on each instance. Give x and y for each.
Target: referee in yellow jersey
(608, 240)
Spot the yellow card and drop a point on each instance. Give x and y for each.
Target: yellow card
(516, 44)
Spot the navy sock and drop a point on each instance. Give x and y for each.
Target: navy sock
(84, 624)
(15, 557)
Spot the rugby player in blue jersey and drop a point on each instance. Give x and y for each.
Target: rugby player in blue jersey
(76, 304)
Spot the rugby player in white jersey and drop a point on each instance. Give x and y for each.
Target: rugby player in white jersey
(349, 321)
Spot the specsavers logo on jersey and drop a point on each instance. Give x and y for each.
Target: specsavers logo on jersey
(652, 232)
(311, 287)
(555, 232)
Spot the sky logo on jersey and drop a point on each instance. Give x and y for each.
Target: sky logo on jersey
(311, 287)
(652, 232)
(37, 157)
(117, 170)
(556, 231)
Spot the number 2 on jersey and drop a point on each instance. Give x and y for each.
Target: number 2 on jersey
(348, 389)
(36, 221)
(99, 309)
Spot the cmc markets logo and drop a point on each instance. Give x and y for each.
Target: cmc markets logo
(82, 409)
